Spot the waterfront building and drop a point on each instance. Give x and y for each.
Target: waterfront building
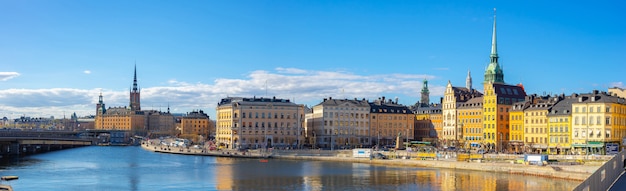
(536, 123)
(341, 123)
(470, 118)
(390, 121)
(195, 123)
(160, 124)
(259, 123)
(598, 122)
(428, 123)
(516, 122)
(560, 124)
(453, 96)
(497, 101)
(132, 118)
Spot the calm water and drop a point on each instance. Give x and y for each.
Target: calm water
(132, 168)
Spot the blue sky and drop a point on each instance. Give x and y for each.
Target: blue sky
(57, 56)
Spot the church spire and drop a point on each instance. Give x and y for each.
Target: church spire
(493, 73)
(425, 94)
(135, 99)
(494, 47)
(135, 79)
(468, 80)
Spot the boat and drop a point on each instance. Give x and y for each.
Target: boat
(4, 187)
(9, 178)
(263, 160)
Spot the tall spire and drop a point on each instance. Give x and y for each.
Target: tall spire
(494, 48)
(135, 99)
(425, 94)
(493, 73)
(468, 80)
(135, 78)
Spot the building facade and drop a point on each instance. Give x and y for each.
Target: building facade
(341, 123)
(259, 123)
(390, 123)
(195, 123)
(470, 116)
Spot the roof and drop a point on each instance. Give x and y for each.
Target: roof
(563, 107)
(389, 108)
(254, 101)
(337, 102)
(476, 102)
(509, 91)
(430, 109)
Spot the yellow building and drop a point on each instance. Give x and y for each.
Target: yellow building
(470, 116)
(536, 126)
(259, 123)
(195, 123)
(428, 123)
(390, 121)
(598, 123)
(497, 101)
(516, 122)
(341, 123)
(560, 126)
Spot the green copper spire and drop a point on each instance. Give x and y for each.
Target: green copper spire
(493, 73)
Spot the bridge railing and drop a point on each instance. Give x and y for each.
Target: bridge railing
(50, 134)
(605, 175)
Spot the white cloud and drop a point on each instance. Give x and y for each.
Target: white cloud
(305, 86)
(617, 84)
(87, 72)
(4, 76)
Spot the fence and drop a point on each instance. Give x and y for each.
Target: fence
(605, 175)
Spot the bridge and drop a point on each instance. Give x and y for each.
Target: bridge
(16, 143)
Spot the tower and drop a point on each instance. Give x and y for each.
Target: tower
(493, 73)
(100, 106)
(468, 81)
(135, 103)
(425, 94)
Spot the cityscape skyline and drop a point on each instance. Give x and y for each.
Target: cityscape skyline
(61, 57)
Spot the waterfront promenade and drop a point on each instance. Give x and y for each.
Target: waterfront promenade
(569, 172)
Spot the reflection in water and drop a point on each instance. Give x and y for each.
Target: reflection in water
(316, 175)
(131, 168)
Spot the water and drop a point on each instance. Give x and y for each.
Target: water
(132, 168)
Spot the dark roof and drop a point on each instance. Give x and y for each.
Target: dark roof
(254, 101)
(476, 102)
(462, 94)
(509, 91)
(563, 107)
(430, 109)
(389, 108)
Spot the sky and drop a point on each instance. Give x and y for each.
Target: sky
(56, 57)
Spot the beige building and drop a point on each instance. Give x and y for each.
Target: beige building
(454, 96)
(617, 92)
(195, 123)
(340, 123)
(598, 122)
(389, 122)
(259, 123)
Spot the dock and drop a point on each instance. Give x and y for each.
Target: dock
(204, 152)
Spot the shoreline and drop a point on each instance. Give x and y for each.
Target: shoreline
(568, 172)
(578, 173)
